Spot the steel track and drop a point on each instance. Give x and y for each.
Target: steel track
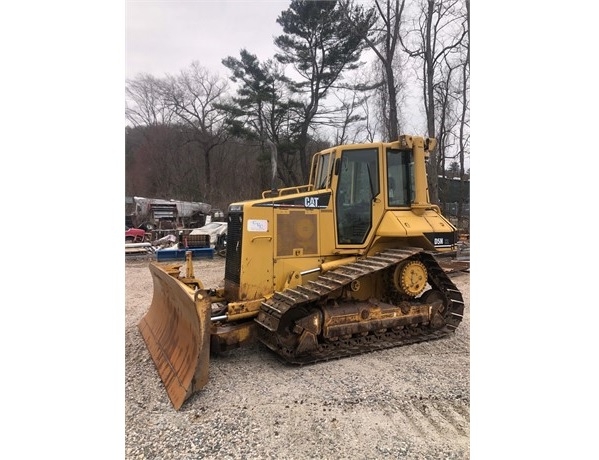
(329, 285)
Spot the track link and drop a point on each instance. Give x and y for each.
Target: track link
(328, 285)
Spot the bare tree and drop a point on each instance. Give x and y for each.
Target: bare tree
(153, 165)
(344, 118)
(464, 118)
(436, 33)
(370, 125)
(383, 39)
(152, 141)
(445, 107)
(451, 105)
(144, 101)
(193, 96)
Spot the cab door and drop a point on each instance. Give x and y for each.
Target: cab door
(357, 201)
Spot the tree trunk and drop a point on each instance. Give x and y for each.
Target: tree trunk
(393, 121)
(429, 99)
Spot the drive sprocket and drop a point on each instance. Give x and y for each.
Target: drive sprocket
(410, 277)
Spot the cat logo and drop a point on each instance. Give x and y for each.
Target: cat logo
(311, 202)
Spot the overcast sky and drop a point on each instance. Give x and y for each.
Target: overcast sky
(165, 36)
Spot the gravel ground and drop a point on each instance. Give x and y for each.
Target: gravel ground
(410, 402)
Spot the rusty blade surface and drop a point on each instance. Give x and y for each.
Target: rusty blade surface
(176, 330)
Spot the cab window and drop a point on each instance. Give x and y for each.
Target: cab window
(400, 181)
(323, 171)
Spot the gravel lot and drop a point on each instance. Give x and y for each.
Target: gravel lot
(410, 402)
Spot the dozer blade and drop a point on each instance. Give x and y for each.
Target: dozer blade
(176, 330)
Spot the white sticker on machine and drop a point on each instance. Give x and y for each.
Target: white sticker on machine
(257, 225)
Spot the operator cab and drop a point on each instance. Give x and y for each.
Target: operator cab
(360, 180)
(364, 181)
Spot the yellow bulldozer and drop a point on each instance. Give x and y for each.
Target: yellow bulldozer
(343, 265)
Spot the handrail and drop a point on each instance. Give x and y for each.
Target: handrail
(286, 191)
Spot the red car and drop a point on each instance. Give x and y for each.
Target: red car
(134, 235)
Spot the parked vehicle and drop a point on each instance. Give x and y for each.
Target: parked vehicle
(210, 235)
(134, 235)
(340, 266)
(221, 245)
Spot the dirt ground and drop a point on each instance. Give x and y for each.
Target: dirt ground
(409, 402)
